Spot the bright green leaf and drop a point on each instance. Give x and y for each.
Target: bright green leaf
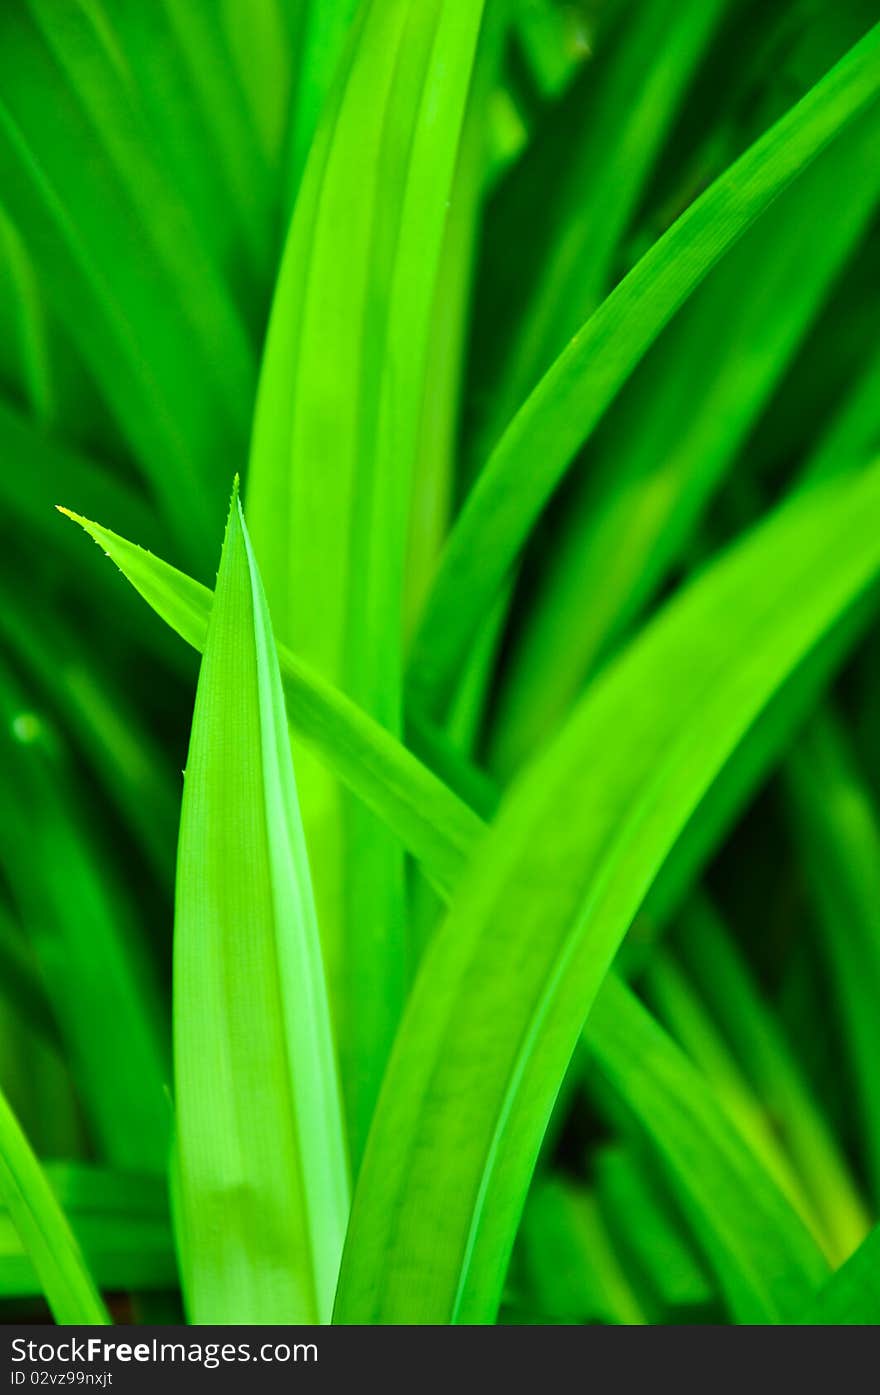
(263, 1188)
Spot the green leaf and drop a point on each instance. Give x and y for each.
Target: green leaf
(505, 987)
(210, 70)
(342, 390)
(554, 422)
(44, 1231)
(434, 472)
(263, 1188)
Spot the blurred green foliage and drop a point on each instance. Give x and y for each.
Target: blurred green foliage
(544, 337)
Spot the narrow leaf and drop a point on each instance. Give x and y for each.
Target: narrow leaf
(263, 1182)
(341, 395)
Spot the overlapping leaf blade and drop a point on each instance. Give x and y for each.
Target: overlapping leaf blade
(263, 1190)
(336, 434)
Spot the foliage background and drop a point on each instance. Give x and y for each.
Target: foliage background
(168, 173)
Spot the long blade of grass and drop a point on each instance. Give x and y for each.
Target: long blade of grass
(263, 1182)
(44, 1231)
(210, 70)
(434, 486)
(557, 418)
(341, 397)
(507, 983)
(538, 280)
(767, 741)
